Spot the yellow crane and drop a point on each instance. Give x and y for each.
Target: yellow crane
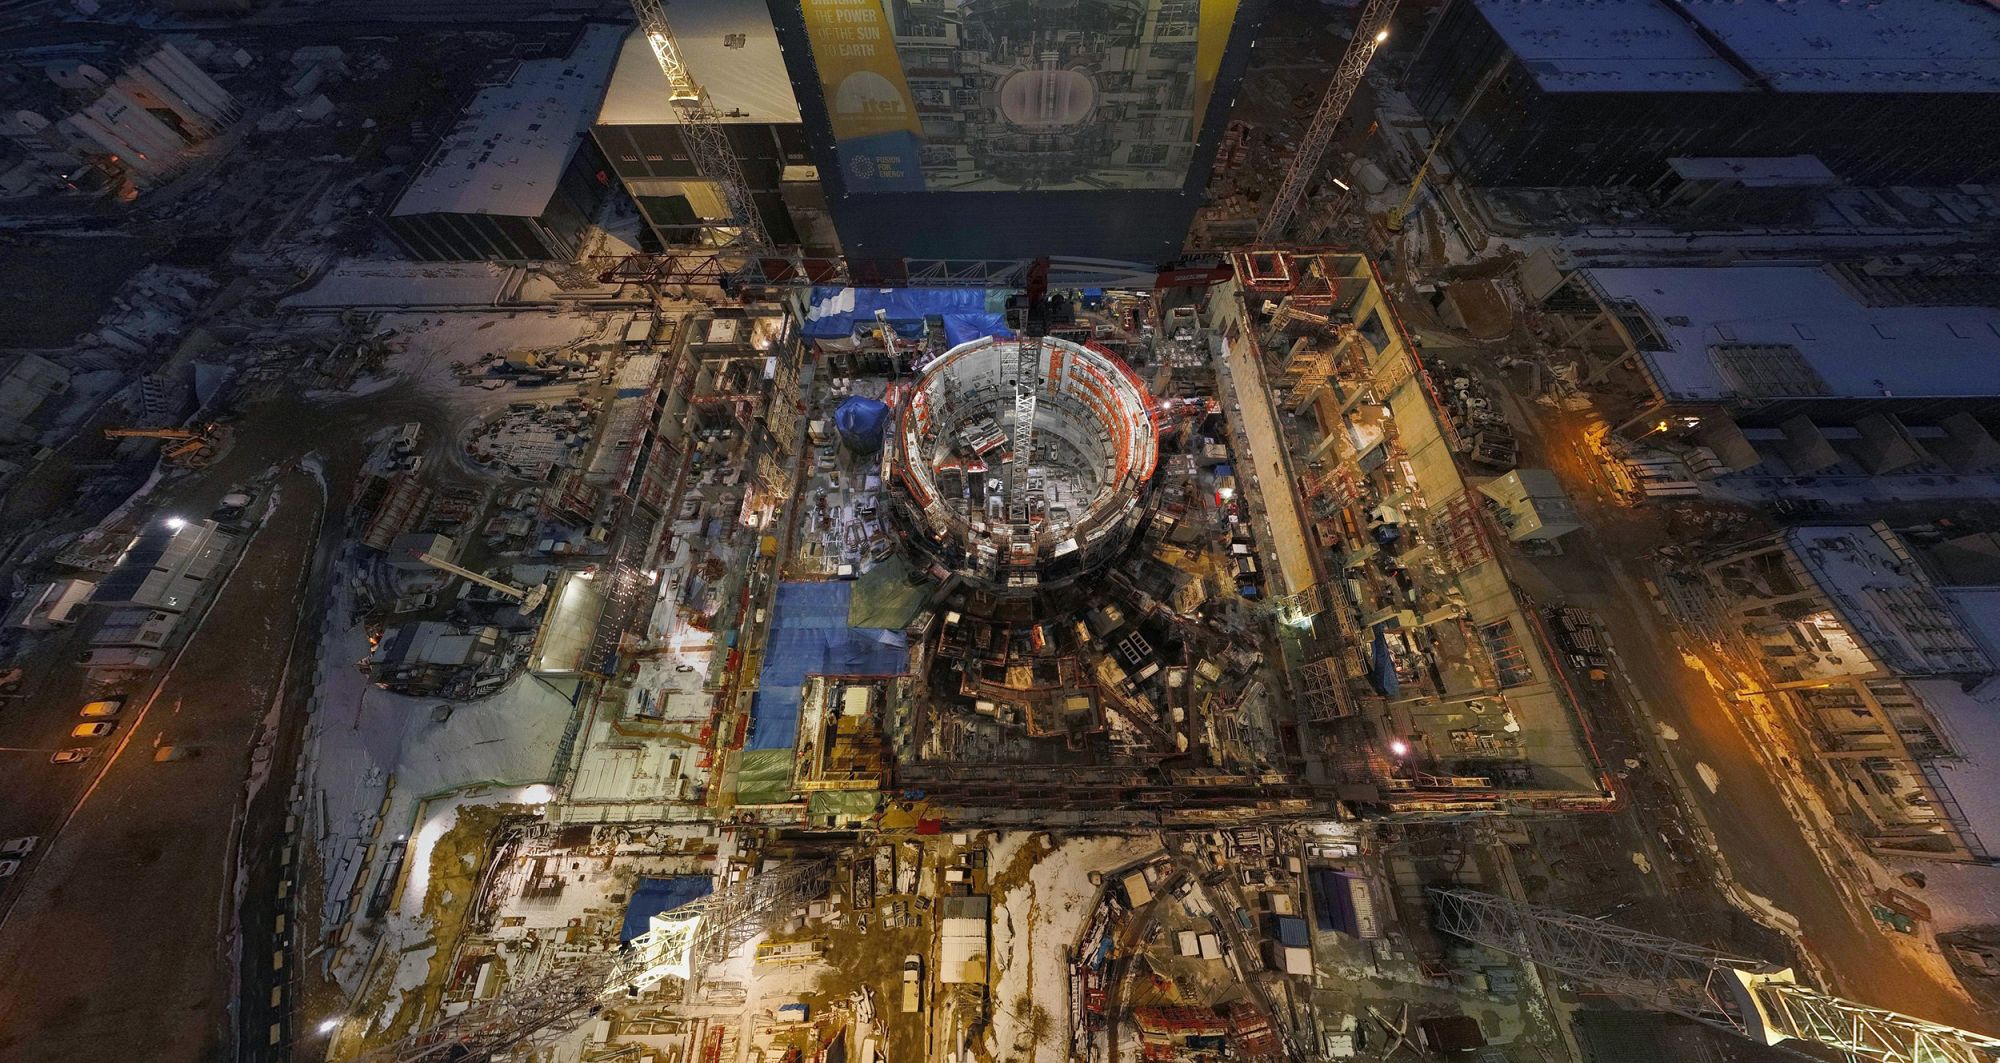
(1398, 217)
(189, 448)
(528, 597)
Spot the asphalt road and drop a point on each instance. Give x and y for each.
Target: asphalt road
(137, 892)
(121, 936)
(1763, 844)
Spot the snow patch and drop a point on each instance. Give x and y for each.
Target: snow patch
(1708, 777)
(1668, 733)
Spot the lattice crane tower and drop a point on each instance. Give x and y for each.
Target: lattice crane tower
(701, 128)
(1369, 34)
(680, 943)
(1746, 997)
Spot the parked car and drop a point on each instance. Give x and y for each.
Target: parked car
(92, 730)
(19, 847)
(70, 756)
(8, 867)
(913, 985)
(103, 709)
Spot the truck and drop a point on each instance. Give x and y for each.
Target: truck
(913, 983)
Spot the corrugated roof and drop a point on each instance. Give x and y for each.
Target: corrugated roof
(731, 49)
(1707, 314)
(1791, 45)
(510, 147)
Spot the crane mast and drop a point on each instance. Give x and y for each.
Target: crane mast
(701, 129)
(1027, 391)
(1369, 34)
(1749, 998)
(1401, 214)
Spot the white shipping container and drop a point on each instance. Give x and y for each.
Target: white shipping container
(1211, 947)
(1185, 944)
(1137, 890)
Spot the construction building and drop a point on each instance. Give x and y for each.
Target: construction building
(518, 178)
(126, 120)
(1788, 370)
(1410, 627)
(1607, 92)
(1013, 130)
(1845, 630)
(732, 50)
(973, 508)
(166, 567)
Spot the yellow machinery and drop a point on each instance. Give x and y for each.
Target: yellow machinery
(188, 448)
(1397, 217)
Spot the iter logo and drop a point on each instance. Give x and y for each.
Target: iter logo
(865, 92)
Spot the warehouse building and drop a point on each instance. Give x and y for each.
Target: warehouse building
(732, 51)
(517, 178)
(1786, 370)
(1605, 92)
(1848, 635)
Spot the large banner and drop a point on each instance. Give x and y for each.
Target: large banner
(1012, 95)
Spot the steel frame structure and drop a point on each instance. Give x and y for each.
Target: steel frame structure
(1749, 998)
(742, 266)
(681, 942)
(701, 128)
(1369, 34)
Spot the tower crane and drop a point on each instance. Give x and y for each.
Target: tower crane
(1369, 34)
(526, 599)
(1749, 998)
(1027, 393)
(1401, 214)
(701, 129)
(679, 943)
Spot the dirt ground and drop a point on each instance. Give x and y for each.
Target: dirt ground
(456, 865)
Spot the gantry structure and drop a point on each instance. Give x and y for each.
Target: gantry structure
(1749, 998)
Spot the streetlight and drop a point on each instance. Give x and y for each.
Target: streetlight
(327, 1026)
(1382, 36)
(176, 523)
(1398, 747)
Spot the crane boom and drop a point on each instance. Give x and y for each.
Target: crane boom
(700, 932)
(153, 433)
(1401, 214)
(1747, 997)
(488, 582)
(1369, 34)
(701, 128)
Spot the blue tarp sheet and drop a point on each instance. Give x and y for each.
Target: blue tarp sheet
(860, 420)
(809, 636)
(835, 311)
(656, 895)
(1382, 669)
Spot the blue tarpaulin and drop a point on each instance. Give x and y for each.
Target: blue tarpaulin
(859, 420)
(1382, 667)
(835, 312)
(656, 895)
(810, 636)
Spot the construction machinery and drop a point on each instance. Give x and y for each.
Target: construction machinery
(1369, 33)
(1749, 998)
(1401, 215)
(526, 597)
(679, 945)
(192, 447)
(701, 130)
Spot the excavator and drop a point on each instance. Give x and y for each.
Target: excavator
(192, 447)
